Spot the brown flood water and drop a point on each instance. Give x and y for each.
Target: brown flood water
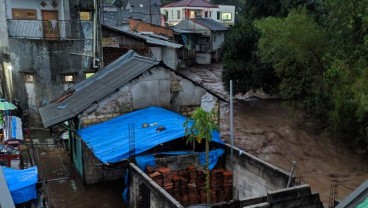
(279, 135)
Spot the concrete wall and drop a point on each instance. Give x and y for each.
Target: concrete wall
(203, 58)
(218, 38)
(297, 196)
(154, 196)
(48, 61)
(170, 57)
(252, 176)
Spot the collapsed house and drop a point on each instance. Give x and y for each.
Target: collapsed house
(126, 121)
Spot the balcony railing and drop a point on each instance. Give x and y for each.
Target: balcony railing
(50, 30)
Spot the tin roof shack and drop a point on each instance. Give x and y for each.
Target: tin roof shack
(115, 42)
(130, 83)
(253, 182)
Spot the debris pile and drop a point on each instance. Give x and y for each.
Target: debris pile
(188, 186)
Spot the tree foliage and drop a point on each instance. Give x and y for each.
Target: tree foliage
(295, 45)
(348, 69)
(242, 64)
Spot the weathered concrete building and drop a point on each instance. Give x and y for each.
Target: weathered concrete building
(130, 83)
(46, 47)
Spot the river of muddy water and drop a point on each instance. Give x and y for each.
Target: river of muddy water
(279, 134)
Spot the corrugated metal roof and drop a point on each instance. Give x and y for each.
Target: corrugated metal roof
(95, 88)
(210, 24)
(191, 3)
(147, 38)
(207, 23)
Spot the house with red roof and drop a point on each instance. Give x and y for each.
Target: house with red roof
(175, 12)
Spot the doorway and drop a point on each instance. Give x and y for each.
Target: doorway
(50, 25)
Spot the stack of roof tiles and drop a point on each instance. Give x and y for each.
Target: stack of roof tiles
(188, 185)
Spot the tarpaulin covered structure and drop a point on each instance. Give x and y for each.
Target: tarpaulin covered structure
(109, 141)
(21, 183)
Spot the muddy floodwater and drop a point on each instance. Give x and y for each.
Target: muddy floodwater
(279, 134)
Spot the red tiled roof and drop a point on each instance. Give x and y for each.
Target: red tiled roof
(191, 3)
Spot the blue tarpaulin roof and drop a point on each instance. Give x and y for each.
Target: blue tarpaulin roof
(109, 141)
(21, 183)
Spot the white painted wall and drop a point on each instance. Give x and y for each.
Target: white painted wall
(170, 57)
(29, 4)
(173, 20)
(218, 38)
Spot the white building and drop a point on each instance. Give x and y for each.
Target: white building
(175, 12)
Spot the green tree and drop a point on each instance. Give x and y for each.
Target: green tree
(296, 46)
(242, 64)
(199, 127)
(348, 71)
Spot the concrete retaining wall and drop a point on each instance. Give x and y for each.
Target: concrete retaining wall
(252, 176)
(297, 196)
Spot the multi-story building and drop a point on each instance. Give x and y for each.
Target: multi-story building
(175, 12)
(45, 47)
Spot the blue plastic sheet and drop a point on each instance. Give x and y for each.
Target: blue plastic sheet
(21, 183)
(213, 155)
(109, 141)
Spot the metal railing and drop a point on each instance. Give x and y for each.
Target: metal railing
(50, 30)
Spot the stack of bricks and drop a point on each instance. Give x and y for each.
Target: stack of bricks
(184, 192)
(188, 185)
(166, 179)
(216, 184)
(192, 186)
(156, 177)
(176, 186)
(228, 185)
(201, 185)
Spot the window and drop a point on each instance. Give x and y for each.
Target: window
(178, 14)
(68, 78)
(25, 14)
(218, 15)
(89, 74)
(226, 16)
(85, 15)
(205, 14)
(29, 77)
